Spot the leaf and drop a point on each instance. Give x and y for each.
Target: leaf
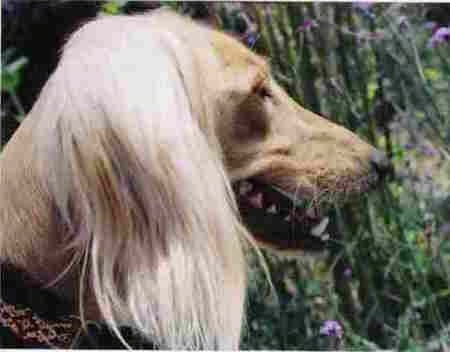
(112, 7)
(10, 81)
(432, 74)
(371, 90)
(16, 65)
(11, 74)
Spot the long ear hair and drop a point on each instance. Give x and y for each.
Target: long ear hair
(141, 191)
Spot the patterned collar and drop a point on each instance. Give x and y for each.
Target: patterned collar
(34, 317)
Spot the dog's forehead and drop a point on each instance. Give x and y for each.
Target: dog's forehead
(234, 54)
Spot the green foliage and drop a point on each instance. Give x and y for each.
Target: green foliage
(11, 78)
(11, 71)
(113, 7)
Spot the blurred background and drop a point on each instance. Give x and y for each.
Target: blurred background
(380, 69)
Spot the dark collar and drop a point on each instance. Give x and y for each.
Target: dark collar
(34, 317)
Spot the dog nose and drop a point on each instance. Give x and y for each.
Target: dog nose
(381, 163)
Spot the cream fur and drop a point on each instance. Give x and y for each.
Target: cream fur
(114, 149)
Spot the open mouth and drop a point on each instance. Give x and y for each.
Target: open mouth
(281, 220)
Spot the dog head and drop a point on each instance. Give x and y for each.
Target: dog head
(287, 164)
(122, 173)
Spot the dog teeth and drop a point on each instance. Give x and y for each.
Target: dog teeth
(325, 237)
(320, 228)
(272, 209)
(245, 187)
(256, 200)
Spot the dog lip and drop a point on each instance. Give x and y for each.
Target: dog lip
(254, 189)
(279, 219)
(276, 200)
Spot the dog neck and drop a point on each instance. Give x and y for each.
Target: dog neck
(31, 316)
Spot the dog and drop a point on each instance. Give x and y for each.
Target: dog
(126, 188)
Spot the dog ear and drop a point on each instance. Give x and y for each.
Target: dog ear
(146, 197)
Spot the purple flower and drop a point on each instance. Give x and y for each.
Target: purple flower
(306, 25)
(440, 36)
(348, 272)
(251, 39)
(331, 328)
(445, 229)
(428, 150)
(403, 23)
(431, 25)
(363, 5)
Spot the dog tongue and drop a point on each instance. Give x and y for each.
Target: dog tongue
(256, 200)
